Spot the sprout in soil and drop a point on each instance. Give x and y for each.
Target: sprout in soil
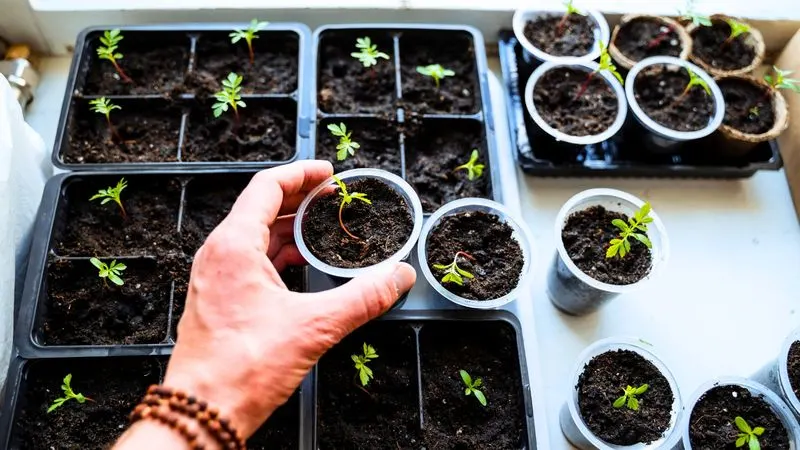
(363, 372)
(69, 394)
(693, 16)
(638, 226)
(248, 35)
(779, 80)
(694, 80)
(435, 71)
(666, 29)
(628, 399)
(112, 193)
(474, 170)
(346, 199)
(570, 10)
(453, 273)
(754, 112)
(110, 40)
(748, 435)
(472, 386)
(104, 106)
(346, 146)
(367, 53)
(605, 64)
(737, 29)
(229, 96)
(111, 271)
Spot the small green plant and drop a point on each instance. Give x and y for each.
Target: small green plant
(347, 198)
(104, 106)
(111, 271)
(748, 435)
(69, 394)
(474, 170)
(636, 227)
(691, 15)
(346, 146)
(779, 80)
(472, 387)
(248, 35)
(435, 71)
(571, 9)
(754, 112)
(229, 96)
(453, 273)
(606, 64)
(737, 29)
(628, 399)
(694, 80)
(363, 372)
(110, 40)
(112, 193)
(367, 53)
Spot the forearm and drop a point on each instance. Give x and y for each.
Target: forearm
(151, 434)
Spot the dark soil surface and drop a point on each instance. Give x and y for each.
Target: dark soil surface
(497, 262)
(382, 228)
(741, 98)
(433, 150)
(712, 426)
(115, 384)
(793, 367)
(265, 131)
(643, 37)
(591, 113)
(385, 413)
(586, 236)
(274, 69)
(282, 429)
(145, 132)
(576, 38)
(456, 421)
(710, 44)
(604, 380)
(379, 140)
(87, 228)
(659, 93)
(346, 86)
(208, 200)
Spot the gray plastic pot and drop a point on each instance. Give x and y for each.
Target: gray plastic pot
(522, 16)
(775, 375)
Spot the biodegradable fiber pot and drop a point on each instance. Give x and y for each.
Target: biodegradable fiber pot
(588, 418)
(640, 36)
(782, 375)
(572, 290)
(653, 87)
(743, 55)
(498, 245)
(578, 43)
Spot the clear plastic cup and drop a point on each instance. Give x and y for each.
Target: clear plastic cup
(573, 291)
(575, 429)
(521, 234)
(522, 16)
(398, 184)
(775, 375)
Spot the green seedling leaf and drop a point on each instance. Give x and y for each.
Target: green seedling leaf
(69, 394)
(112, 193)
(779, 80)
(637, 228)
(346, 147)
(453, 273)
(435, 71)
(629, 397)
(363, 372)
(111, 271)
(367, 53)
(248, 34)
(474, 170)
(747, 434)
(230, 95)
(472, 387)
(347, 198)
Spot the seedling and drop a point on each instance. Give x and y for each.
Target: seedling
(660, 37)
(363, 372)
(638, 226)
(435, 71)
(605, 64)
(453, 273)
(629, 399)
(754, 112)
(780, 81)
(112, 193)
(347, 198)
(69, 394)
(472, 386)
(367, 53)
(229, 96)
(346, 146)
(474, 170)
(570, 10)
(694, 80)
(737, 29)
(104, 106)
(748, 435)
(248, 35)
(111, 271)
(110, 40)
(693, 16)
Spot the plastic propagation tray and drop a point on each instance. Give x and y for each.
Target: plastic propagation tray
(620, 158)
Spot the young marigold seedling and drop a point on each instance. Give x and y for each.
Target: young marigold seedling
(346, 146)
(570, 10)
(435, 71)
(229, 96)
(69, 394)
(346, 199)
(748, 435)
(111, 271)
(691, 15)
(363, 372)
(754, 112)
(110, 40)
(453, 273)
(737, 29)
(694, 80)
(112, 193)
(472, 387)
(474, 170)
(637, 227)
(104, 106)
(367, 53)
(605, 64)
(629, 399)
(248, 35)
(779, 80)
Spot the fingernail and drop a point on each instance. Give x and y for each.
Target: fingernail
(404, 277)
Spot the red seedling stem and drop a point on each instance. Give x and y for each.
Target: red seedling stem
(122, 73)
(561, 23)
(252, 55)
(341, 223)
(466, 255)
(660, 38)
(113, 131)
(585, 85)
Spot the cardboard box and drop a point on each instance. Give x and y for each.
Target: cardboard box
(789, 141)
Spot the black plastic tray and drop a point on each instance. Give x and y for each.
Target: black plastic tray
(189, 32)
(621, 158)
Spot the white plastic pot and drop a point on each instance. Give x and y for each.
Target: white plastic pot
(522, 16)
(775, 375)
(570, 289)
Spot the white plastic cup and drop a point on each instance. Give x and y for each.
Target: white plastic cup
(572, 424)
(393, 181)
(576, 293)
(520, 233)
(588, 67)
(659, 139)
(757, 389)
(522, 16)
(775, 375)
